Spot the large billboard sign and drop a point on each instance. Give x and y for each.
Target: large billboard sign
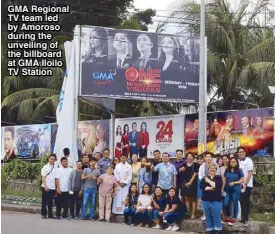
(226, 131)
(139, 65)
(142, 136)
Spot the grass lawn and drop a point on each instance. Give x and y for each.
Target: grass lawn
(21, 193)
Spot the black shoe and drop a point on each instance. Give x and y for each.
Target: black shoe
(44, 217)
(51, 217)
(58, 217)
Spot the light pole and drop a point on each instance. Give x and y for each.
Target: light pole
(202, 88)
(272, 90)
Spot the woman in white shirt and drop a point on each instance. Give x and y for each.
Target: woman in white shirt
(143, 206)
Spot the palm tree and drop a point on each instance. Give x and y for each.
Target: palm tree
(34, 99)
(241, 53)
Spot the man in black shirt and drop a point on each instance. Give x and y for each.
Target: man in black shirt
(155, 174)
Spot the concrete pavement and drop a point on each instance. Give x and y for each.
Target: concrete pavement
(23, 223)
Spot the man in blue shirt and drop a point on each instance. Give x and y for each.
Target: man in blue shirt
(105, 161)
(167, 174)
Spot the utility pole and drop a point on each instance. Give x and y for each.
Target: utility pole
(202, 87)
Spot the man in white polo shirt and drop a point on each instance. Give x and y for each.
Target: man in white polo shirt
(62, 200)
(246, 164)
(49, 174)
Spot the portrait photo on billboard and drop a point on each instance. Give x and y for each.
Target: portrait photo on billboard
(8, 144)
(120, 50)
(93, 136)
(32, 141)
(139, 65)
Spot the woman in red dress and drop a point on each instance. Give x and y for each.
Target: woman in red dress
(118, 148)
(125, 141)
(143, 140)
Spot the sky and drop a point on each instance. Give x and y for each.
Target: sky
(164, 8)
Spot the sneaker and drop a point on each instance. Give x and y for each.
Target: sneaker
(147, 226)
(175, 228)
(44, 217)
(92, 219)
(231, 222)
(169, 228)
(132, 225)
(100, 220)
(193, 217)
(124, 223)
(246, 223)
(165, 221)
(203, 218)
(51, 217)
(76, 218)
(140, 225)
(157, 226)
(70, 217)
(58, 217)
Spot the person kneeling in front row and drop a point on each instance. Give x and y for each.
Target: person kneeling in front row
(173, 212)
(158, 205)
(144, 205)
(131, 204)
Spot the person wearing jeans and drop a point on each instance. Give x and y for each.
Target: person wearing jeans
(173, 212)
(232, 179)
(49, 175)
(211, 186)
(246, 164)
(131, 205)
(90, 176)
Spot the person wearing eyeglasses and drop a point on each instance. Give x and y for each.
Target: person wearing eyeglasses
(246, 164)
(211, 186)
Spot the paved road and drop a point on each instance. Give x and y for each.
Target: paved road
(24, 223)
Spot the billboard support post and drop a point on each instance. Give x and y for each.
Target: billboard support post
(112, 130)
(272, 91)
(202, 87)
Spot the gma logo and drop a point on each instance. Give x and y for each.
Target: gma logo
(103, 76)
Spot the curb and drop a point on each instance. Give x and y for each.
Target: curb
(186, 226)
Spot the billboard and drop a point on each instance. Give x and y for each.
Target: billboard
(226, 131)
(142, 136)
(28, 141)
(93, 136)
(139, 65)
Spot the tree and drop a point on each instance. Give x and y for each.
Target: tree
(241, 54)
(139, 20)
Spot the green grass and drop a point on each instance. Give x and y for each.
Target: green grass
(21, 193)
(268, 217)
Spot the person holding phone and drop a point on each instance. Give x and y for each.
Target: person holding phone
(90, 176)
(131, 205)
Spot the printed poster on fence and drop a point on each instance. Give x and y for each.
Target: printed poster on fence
(142, 136)
(93, 136)
(26, 142)
(226, 131)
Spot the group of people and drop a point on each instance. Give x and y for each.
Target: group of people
(159, 192)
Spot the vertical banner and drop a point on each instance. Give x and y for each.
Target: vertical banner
(144, 135)
(226, 131)
(93, 136)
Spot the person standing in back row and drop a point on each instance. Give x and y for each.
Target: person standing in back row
(167, 174)
(90, 176)
(155, 174)
(49, 175)
(62, 200)
(104, 163)
(246, 164)
(75, 188)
